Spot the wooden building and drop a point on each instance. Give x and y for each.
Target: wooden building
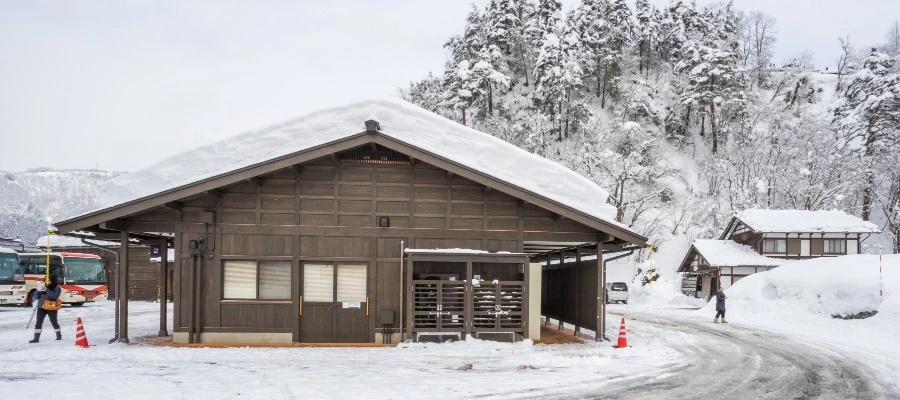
(758, 240)
(376, 221)
(713, 263)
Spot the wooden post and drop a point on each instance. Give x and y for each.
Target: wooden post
(562, 292)
(409, 296)
(469, 299)
(163, 286)
(577, 289)
(122, 287)
(601, 288)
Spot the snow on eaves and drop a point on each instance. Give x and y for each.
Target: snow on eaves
(69, 241)
(400, 120)
(728, 253)
(789, 221)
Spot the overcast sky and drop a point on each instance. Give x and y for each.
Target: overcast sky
(120, 84)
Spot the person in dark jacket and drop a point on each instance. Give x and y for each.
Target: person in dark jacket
(720, 305)
(51, 292)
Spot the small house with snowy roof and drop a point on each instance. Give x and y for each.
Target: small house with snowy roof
(758, 240)
(375, 221)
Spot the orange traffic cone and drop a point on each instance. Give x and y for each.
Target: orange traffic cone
(623, 342)
(80, 336)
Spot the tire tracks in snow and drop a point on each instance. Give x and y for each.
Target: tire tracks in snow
(737, 362)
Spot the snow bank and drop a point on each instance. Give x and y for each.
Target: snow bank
(816, 288)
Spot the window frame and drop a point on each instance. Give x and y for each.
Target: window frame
(335, 272)
(826, 250)
(777, 241)
(257, 280)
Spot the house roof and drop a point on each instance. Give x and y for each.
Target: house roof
(804, 221)
(727, 253)
(402, 123)
(69, 241)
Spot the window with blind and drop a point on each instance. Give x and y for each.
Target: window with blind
(835, 246)
(326, 283)
(257, 280)
(774, 246)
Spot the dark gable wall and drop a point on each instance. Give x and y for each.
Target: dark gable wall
(328, 211)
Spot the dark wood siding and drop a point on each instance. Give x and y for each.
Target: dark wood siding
(324, 211)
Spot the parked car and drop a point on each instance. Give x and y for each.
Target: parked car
(617, 292)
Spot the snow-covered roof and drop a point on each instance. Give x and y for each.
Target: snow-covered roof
(789, 221)
(68, 241)
(399, 120)
(6, 250)
(728, 253)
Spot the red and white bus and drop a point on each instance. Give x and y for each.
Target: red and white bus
(81, 276)
(12, 280)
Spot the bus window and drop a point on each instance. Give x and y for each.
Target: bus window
(83, 271)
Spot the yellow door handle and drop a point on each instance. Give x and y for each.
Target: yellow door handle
(367, 306)
(301, 305)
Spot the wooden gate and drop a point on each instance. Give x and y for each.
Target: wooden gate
(497, 308)
(439, 308)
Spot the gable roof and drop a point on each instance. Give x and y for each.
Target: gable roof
(727, 253)
(405, 127)
(804, 221)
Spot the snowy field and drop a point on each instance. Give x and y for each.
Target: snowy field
(790, 308)
(141, 371)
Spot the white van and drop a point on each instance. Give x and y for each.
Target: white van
(617, 292)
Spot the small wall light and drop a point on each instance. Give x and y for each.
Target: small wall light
(384, 222)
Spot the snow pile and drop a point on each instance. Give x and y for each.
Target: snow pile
(805, 221)
(816, 288)
(399, 120)
(728, 253)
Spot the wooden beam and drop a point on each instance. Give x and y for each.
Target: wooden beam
(412, 161)
(114, 225)
(298, 169)
(215, 193)
(335, 158)
(174, 205)
(256, 181)
(374, 147)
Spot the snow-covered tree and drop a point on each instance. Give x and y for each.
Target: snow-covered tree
(646, 32)
(460, 85)
(757, 42)
(715, 82)
(869, 115)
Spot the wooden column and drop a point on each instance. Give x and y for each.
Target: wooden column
(601, 287)
(122, 287)
(562, 292)
(163, 286)
(577, 289)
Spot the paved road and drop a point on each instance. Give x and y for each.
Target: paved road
(731, 361)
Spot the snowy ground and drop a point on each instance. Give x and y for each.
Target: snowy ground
(498, 370)
(781, 343)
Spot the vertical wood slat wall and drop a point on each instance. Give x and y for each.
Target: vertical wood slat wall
(257, 220)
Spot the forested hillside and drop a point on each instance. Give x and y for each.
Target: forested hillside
(28, 200)
(681, 112)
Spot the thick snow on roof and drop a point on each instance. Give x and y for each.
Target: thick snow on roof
(727, 253)
(6, 250)
(399, 120)
(805, 221)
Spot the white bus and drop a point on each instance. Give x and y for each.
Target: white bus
(12, 279)
(81, 276)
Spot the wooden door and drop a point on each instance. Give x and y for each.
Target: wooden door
(334, 302)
